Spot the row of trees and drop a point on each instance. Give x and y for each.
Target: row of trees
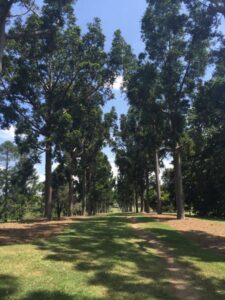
(174, 112)
(53, 86)
(21, 193)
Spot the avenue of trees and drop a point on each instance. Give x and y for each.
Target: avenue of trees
(54, 83)
(53, 89)
(175, 113)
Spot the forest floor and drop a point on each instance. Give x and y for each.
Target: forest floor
(115, 257)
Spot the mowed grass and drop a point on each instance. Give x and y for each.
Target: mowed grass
(204, 268)
(97, 258)
(104, 258)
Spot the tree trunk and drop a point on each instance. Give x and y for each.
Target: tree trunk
(2, 43)
(48, 181)
(6, 189)
(142, 201)
(7, 175)
(146, 193)
(130, 208)
(158, 189)
(70, 196)
(6, 204)
(4, 14)
(179, 183)
(4, 11)
(136, 201)
(84, 193)
(58, 206)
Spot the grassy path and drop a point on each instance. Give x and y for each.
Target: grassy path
(105, 258)
(181, 282)
(204, 270)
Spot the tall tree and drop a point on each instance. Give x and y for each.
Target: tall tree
(8, 157)
(25, 189)
(46, 73)
(142, 92)
(132, 156)
(177, 35)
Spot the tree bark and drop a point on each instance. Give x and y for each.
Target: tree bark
(179, 183)
(48, 181)
(158, 188)
(136, 201)
(4, 14)
(130, 208)
(142, 201)
(147, 210)
(84, 193)
(2, 43)
(89, 200)
(70, 196)
(58, 206)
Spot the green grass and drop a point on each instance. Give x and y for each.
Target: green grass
(103, 258)
(205, 268)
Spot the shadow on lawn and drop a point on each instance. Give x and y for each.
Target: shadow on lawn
(44, 295)
(105, 246)
(180, 247)
(207, 241)
(8, 286)
(112, 256)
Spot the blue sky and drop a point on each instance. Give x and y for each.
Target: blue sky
(115, 14)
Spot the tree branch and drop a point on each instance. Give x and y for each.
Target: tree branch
(13, 36)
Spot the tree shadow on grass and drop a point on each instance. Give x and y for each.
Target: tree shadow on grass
(8, 286)
(126, 265)
(106, 249)
(190, 240)
(187, 256)
(207, 240)
(45, 295)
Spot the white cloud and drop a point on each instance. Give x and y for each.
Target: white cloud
(40, 170)
(8, 134)
(41, 177)
(118, 83)
(168, 163)
(54, 166)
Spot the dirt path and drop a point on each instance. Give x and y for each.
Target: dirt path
(180, 281)
(208, 234)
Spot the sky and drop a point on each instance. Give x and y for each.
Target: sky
(115, 14)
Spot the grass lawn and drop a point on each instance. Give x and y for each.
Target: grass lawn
(104, 258)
